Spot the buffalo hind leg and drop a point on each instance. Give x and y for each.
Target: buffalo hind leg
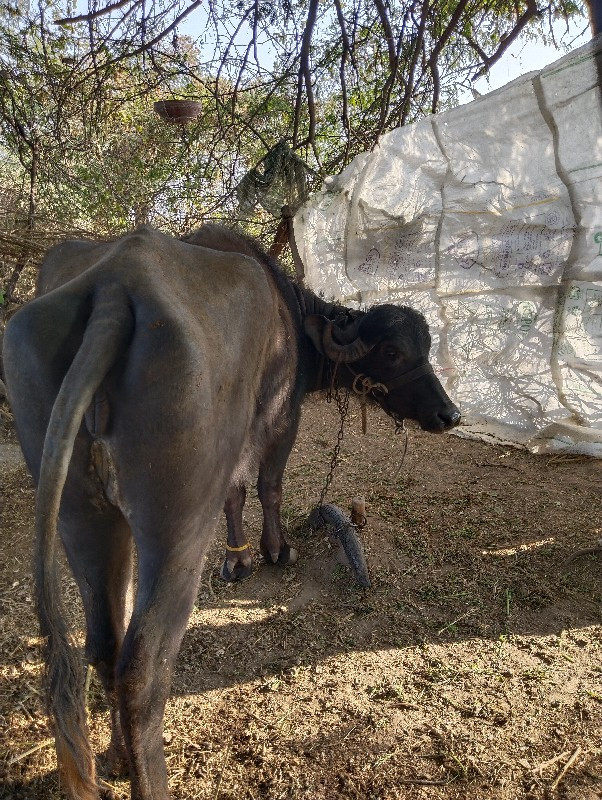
(238, 562)
(168, 578)
(99, 548)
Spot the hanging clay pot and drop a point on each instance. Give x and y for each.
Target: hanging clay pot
(178, 110)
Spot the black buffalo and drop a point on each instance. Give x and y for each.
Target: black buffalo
(149, 378)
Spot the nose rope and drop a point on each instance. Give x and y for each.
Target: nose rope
(407, 377)
(363, 386)
(368, 386)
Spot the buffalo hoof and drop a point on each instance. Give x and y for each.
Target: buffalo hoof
(286, 556)
(235, 570)
(292, 557)
(113, 762)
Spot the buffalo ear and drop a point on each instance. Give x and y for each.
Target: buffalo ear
(314, 326)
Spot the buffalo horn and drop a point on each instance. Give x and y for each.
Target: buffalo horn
(343, 353)
(347, 334)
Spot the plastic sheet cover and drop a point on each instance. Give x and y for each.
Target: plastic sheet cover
(488, 219)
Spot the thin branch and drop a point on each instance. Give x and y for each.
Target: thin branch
(452, 26)
(305, 76)
(386, 23)
(152, 42)
(530, 12)
(393, 63)
(348, 50)
(410, 87)
(346, 53)
(100, 12)
(254, 28)
(436, 87)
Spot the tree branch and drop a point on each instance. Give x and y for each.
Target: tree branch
(405, 106)
(305, 76)
(100, 12)
(530, 12)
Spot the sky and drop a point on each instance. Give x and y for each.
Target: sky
(523, 57)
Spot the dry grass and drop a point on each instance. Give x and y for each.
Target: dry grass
(471, 669)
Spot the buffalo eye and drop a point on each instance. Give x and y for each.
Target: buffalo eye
(391, 353)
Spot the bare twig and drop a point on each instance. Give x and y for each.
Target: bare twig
(31, 751)
(530, 12)
(458, 619)
(566, 768)
(545, 764)
(585, 551)
(305, 77)
(99, 12)
(221, 772)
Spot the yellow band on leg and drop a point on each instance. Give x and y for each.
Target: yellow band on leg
(237, 549)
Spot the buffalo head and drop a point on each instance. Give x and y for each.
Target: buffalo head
(389, 346)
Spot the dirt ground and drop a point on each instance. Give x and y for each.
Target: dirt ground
(471, 669)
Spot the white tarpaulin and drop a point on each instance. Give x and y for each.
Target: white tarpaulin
(488, 219)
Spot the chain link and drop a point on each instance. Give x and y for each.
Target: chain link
(343, 407)
(400, 429)
(342, 402)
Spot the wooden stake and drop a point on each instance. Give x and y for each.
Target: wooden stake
(358, 511)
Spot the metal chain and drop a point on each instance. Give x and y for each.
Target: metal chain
(400, 428)
(343, 407)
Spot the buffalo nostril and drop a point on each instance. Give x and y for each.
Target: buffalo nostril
(455, 417)
(450, 419)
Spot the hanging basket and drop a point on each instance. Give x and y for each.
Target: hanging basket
(178, 110)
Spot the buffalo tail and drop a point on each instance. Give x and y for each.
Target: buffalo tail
(105, 338)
